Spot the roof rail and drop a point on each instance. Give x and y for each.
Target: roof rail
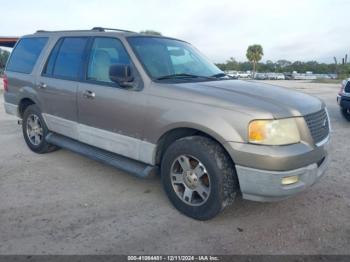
(57, 31)
(103, 29)
(100, 29)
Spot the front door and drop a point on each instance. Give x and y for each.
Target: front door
(111, 117)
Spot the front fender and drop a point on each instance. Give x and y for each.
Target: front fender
(221, 124)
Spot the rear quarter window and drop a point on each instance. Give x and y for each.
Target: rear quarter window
(25, 54)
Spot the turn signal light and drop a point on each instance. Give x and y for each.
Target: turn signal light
(289, 180)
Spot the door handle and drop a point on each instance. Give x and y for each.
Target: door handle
(42, 85)
(89, 94)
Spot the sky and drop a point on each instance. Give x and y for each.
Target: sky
(294, 30)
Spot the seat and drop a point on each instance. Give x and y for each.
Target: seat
(99, 69)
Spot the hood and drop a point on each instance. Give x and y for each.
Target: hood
(253, 98)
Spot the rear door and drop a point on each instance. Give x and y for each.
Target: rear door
(58, 84)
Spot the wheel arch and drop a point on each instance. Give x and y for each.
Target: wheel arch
(171, 135)
(23, 104)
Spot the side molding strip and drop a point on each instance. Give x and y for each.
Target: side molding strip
(113, 142)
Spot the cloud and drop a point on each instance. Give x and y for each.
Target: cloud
(294, 30)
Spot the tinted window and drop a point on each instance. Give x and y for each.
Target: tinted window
(25, 55)
(104, 53)
(66, 58)
(347, 87)
(51, 63)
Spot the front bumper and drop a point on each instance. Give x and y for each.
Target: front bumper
(260, 169)
(266, 186)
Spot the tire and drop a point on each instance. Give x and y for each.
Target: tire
(216, 177)
(32, 119)
(346, 113)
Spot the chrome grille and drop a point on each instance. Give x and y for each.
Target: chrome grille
(318, 124)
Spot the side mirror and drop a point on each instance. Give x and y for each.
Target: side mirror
(121, 74)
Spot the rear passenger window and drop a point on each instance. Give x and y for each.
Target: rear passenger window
(66, 58)
(25, 55)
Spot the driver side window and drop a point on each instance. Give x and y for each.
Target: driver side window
(104, 53)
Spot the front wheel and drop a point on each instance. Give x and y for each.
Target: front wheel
(199, 177)
(346, 113)
(35, 131)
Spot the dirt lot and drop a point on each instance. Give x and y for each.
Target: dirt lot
(63, 203)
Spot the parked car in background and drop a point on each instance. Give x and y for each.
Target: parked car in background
(244, 74)
(271, 76)
(152, 104)
(233, 75)
(288, 76)
(343, 98)
(280, 77)
(260, 76)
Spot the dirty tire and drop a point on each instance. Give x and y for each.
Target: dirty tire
(43, 146)
(220, 169)
(346, 113)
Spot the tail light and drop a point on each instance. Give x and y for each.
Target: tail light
(342, 87)
(6, 83)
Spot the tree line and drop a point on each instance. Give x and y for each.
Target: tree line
(254, 55)
(281, 66)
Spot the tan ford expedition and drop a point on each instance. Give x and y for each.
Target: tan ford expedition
(151, 104)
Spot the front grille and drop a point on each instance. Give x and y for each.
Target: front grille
(318, 124)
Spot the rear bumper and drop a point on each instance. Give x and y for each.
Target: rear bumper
(11, 109)
(266, 186)
(343, 101)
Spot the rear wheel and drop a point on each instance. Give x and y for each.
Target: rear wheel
(35, 131)
(346, 113)
(198, 177)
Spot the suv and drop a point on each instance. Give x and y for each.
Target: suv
(149, 104)
(343, 99)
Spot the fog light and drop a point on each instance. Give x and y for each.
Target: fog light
(290, 180)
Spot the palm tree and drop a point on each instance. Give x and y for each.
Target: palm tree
(254, 55)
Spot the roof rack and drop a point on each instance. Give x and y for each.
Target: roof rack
(103, 29)
(100, 29)
(57, 31)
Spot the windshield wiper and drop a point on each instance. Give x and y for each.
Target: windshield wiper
(219, 75)
(182, 75)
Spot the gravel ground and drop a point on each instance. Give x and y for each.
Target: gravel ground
(63, 203)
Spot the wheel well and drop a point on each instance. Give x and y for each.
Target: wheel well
(171, 136)
(25, 102)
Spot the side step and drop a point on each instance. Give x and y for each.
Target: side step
(123, 163)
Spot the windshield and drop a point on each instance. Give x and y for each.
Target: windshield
(165, 58)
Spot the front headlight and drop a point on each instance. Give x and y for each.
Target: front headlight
(274, 132)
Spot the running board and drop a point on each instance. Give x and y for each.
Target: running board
(123, 163)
